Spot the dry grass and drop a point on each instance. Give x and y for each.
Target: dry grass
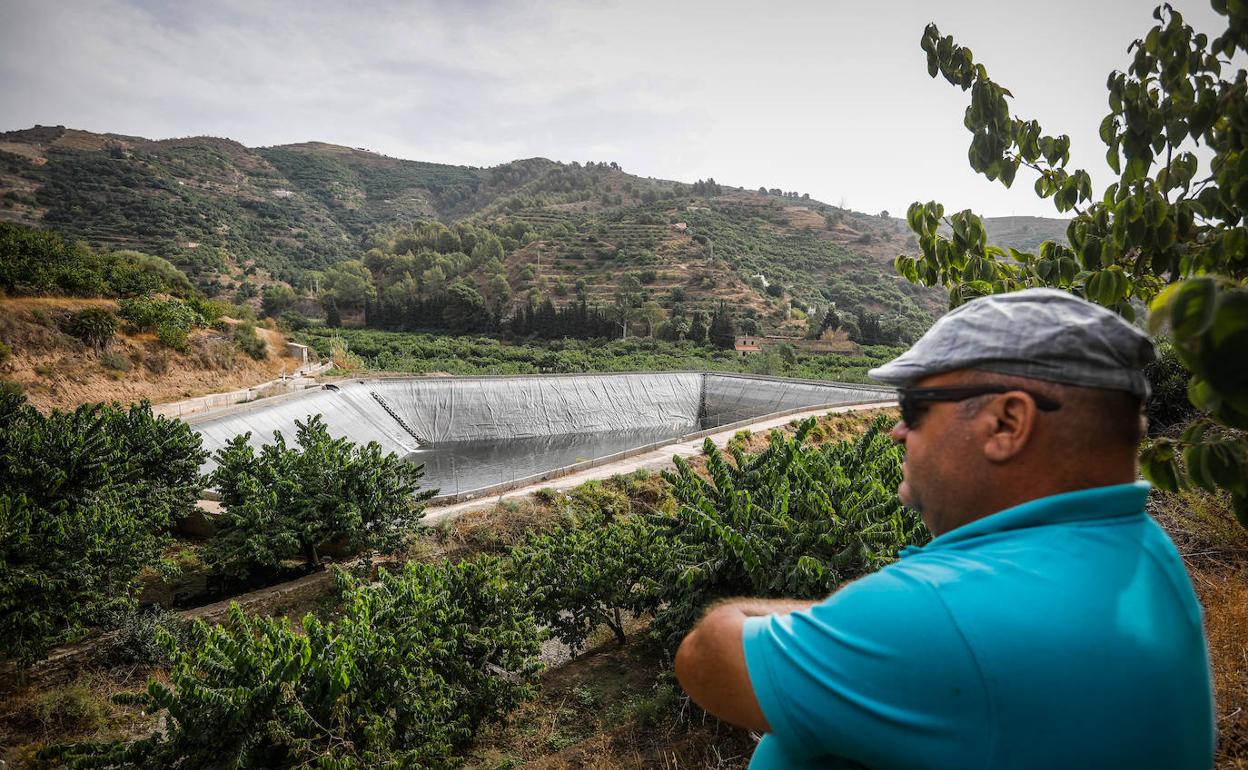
(57, 371)
(1224, 595)
(81, 710)
(609, 709)
(1215, 549)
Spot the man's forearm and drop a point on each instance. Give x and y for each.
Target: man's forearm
(710, 663)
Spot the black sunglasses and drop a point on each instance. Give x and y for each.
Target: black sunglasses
(914, 401)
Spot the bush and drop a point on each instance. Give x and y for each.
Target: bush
(86, 501)
(95, 326)
(294, 321)
(67, 710)
(1169, 404)
(404, 677)
(248, 341)
(289, 503)
(171, 320)
(217, 354)
(115, 361)
(138, 641)
(6, 352)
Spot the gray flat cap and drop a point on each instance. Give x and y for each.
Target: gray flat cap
(1045, 334)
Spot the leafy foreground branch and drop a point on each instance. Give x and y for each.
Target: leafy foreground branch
(1165, 233)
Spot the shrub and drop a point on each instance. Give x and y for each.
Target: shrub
(217, 354)
(1168, 405)
(210, 310)
(294, 321)
(546, 495)
(6, 352)
(248, 341)
(288, 503)
(138, 641)
(115, 361)
(593, 497)
(67, 710)
(93, 325)
(402, 678)
(171, 320)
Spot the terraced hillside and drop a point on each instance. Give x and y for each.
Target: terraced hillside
(237, 219)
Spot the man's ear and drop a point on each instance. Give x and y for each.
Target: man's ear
(1009, 422)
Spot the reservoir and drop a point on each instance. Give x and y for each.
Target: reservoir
(477, 435)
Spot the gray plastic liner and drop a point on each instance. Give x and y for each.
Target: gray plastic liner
(479, 433)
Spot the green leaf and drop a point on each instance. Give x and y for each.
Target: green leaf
(1192, 307)
(1157, 464)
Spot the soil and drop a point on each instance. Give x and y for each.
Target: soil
(57, 371)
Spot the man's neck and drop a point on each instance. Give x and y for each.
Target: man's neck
(1007, 492)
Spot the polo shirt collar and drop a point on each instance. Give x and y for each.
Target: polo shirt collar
(1080, 505)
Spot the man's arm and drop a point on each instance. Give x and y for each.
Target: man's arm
(710, 663)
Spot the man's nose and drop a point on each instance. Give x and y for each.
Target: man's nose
(898, 433)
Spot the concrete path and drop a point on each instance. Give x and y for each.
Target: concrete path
(659, 458)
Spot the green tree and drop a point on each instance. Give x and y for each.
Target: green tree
(722, 334)
(465, 308)
(1164, 233)
(651, 314)
(402, 677)
(288, 502)
(277, 299)
(489, 247)
(86, 501)
(349, 285)
(697, 328)
(587, 572)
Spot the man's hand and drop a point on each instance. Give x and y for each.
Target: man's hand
(710, 663)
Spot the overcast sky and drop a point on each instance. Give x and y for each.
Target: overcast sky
(829, 98)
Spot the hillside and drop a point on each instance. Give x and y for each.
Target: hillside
(236, 219)
(55, 370)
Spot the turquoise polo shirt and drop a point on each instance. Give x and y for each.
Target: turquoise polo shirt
(1061, 633)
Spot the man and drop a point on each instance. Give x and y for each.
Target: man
(1049, 623)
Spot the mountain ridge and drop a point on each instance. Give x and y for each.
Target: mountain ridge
(228, 214)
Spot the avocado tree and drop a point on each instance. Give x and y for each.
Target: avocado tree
(793, 520)
(402, 677)
(86, 501)
(286, 502)
(1169, 232)
(587, 573)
